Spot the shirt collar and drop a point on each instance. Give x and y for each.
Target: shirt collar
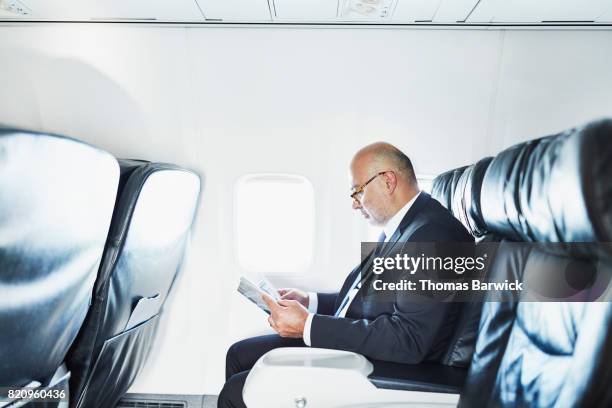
(394, 222)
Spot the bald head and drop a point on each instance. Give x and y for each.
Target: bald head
(394, 184)
(381, 156)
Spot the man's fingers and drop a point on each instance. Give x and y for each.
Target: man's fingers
(271, 321)
(287, 293)
(270, 302)
(287, 303)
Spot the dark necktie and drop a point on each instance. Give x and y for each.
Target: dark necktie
(381, 244)
(357, 283)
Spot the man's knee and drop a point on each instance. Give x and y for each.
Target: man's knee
(233, 363)
(242, 355)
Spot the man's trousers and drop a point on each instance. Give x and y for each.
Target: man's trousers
(239, 360)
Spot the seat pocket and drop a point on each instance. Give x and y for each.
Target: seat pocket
(119, 362)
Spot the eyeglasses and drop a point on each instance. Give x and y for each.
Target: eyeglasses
(360, 188)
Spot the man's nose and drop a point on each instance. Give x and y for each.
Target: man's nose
(356, 204)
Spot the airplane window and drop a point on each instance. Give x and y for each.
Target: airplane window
(274, 219)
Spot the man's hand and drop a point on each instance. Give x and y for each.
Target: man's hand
(287, 317)
(295, 294)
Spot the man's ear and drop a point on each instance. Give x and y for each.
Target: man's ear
(390, 181)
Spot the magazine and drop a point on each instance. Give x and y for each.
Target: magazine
(253, 291)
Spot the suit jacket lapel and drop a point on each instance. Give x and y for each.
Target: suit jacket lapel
(419, 203)
(388, 248)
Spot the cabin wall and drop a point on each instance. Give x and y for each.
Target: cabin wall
(233, 101)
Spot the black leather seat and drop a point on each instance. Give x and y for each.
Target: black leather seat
(144, 252)
(56, 201)
(466, 198)
(463, 187)
(426, 377)
(544, 354)
(444, 186)
(537, 354)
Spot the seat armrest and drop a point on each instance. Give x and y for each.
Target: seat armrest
(312, 377)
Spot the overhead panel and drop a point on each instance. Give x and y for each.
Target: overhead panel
(530, 11)
(453, 11)
(176, 10)
(13, 9)
(501, 12)
(415, 10)
(305, 10)
(236, 10)
(57, 10)
(366, 10)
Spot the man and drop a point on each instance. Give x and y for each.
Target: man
(386, 192)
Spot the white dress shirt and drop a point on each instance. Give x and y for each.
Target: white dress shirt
(389, 230)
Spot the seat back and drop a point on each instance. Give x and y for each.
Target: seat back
(462, 187)
(545, 354)
(144, 253)
(466, 199)
(443, 187)
(56, 201)
(459, 191)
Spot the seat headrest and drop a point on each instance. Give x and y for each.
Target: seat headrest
(443, 187)
(466, 202)
(553, 189)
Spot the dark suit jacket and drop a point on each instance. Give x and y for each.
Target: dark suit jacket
(400, 330)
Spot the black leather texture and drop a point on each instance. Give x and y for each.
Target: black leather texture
(444, 186)
(144, 253)
(56, 201)
(119, 362)
(425, 377)
(497, 318)
(547, 354)
(466, 200)
(553, 189)
(459, 191)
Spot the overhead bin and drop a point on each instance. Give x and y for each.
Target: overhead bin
(175, 10)
(453, 11)
(236, 10)
(366, 10)
(529, 11)
(458, 12)
(415, 10)
(304, 10)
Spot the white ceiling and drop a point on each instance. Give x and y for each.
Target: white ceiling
(314, 11)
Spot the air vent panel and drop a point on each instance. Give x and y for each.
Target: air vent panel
(132, 403)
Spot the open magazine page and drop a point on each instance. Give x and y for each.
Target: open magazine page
(253, 291)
